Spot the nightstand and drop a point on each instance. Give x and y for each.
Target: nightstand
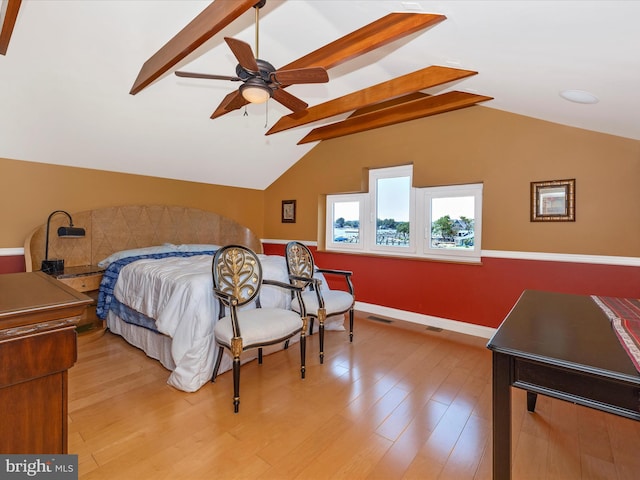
(85, 279)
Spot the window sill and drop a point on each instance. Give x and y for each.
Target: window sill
(460, 261)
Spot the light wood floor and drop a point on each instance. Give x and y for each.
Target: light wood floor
(401, 402)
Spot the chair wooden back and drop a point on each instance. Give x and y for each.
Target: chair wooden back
(299, 262)
(237, 271)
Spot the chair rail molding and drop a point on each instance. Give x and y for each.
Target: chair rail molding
(516, 255)
(10, 252)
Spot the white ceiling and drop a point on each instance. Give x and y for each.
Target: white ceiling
(65, 80)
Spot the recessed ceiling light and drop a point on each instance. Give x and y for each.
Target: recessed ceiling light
(411, 6)
(579, 96)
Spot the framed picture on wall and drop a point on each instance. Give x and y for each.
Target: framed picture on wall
(553, 201)
(288, 211)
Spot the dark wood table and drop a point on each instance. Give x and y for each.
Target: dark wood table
(38, 316)
(562, 346)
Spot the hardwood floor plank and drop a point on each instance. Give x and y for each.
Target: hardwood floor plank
(439, 445)
(465, 458)
(564, 445)
(594, 468)
(530, 458)
(311, 450)
(624, 435)
(352, 454)
(485, 467)
(401, 454)
(593, 424)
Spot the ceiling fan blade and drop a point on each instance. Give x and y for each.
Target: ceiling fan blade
(378, 33)
(404, 112)
(412, 82)
(292, 102)
(243, 53)
(209, 22)
(8, 22)
(231, 102)
(206, 76)
(301, 75)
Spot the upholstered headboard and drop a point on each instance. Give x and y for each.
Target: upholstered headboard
(112, 229)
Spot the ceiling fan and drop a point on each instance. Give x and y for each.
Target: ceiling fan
(261, 80)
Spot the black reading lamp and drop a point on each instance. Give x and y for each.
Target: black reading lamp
(56, 266)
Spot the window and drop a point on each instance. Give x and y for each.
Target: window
(344, 221)
(453, 221)
(395, 218)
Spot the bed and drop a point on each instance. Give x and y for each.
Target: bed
(169, 295)
(156, 290)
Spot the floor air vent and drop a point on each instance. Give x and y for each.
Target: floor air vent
(379, 319)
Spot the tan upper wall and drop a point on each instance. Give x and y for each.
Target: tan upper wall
(30, 191)
(504, 151)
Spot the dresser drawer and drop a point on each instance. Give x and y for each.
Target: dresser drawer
(83, 283)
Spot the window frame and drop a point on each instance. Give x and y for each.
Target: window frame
(467, 190)
(330, 244)
(370, 239)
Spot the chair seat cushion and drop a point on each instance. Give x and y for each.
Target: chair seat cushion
(259, 326)
(335, 301)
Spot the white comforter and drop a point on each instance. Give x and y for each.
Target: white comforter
(177, 293)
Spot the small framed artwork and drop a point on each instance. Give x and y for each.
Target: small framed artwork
(553, 201)
(288, 211)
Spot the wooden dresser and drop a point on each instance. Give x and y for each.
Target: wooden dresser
(38, 315)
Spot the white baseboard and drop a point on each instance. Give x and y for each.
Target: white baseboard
(427, 320)
(10, 252)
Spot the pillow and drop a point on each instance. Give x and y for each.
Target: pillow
(135, 252)
(195, 247)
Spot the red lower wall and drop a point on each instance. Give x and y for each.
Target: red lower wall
(478, 294)
(12, 264)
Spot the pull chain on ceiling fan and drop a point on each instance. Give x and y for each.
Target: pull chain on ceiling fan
(260, 80)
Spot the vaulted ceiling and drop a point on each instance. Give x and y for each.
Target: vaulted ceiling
(67, 69)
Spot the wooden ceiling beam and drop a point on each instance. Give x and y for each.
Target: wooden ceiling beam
(412, 82)
(209, 22)
(385, 30)
(8, 22)
(404, 112)
(409, 97)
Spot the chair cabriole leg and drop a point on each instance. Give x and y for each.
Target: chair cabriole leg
(322, 315)
(351, 325)
(236, 350)
(236, 384)
(303, 347)
(217, 366)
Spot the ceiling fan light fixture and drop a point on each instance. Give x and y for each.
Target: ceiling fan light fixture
(255, 91)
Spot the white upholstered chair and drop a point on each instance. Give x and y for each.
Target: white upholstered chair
(317, 302)
(237, 278)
